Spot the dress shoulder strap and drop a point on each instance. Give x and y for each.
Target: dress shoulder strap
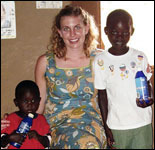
(50, 59)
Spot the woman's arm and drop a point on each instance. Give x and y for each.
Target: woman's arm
(41, 82)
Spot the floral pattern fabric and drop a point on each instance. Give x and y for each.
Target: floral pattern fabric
(71, 107)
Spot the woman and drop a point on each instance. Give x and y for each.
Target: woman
(65, 72)
(65, 79)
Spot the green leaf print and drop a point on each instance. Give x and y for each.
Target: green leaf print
(58, 73)
(72, 95)
(79, 111)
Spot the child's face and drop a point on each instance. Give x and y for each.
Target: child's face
(28, 103)
(119, 32)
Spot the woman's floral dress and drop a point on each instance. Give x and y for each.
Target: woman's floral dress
(71, 108)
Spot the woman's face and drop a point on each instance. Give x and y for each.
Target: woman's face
(73, 31)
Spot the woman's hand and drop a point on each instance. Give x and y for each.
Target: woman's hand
(5, 123)
(143, 104)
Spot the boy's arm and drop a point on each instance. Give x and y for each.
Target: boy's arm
(150, 90)
(44, 140)
(13, 137)
(103, 105)
(4, 140)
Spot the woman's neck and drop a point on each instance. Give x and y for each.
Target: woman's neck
(73, 59)
(75, 54)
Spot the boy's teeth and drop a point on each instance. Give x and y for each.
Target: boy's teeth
(118, 42)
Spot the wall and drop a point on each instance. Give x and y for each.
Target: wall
(19, 55)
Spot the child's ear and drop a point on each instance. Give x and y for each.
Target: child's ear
(16, 102)
(132, 31)
(106, 30)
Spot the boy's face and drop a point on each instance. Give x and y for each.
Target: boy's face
(28, 103)
(119, 32)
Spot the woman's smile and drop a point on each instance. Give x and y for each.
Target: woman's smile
(74, 41)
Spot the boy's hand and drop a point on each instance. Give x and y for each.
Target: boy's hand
(17, 137)
(33, 134)
(144, 104)
(42, 139)
(110, 139)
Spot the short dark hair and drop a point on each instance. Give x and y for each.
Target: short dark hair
(25, 85)
(121, 14)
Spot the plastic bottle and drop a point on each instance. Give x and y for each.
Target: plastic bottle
(24, 127)
(141, 86)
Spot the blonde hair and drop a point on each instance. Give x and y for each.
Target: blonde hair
(56, 43)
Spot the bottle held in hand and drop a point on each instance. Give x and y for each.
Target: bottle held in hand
(24, 127)
(141, 86)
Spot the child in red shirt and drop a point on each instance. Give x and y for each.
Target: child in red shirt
(27, 99)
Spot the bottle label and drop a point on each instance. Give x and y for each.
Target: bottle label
(142, 89)
(23, 128)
